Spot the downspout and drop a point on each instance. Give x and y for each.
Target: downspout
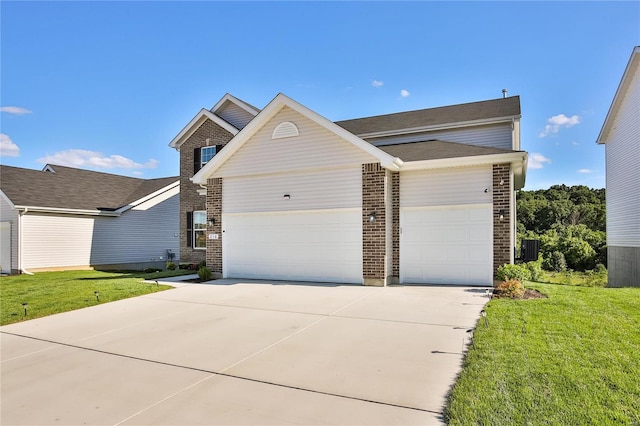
(22, 269)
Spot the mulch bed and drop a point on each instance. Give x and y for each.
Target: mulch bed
(528, 294)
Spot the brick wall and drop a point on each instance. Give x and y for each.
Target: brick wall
(373, 233)
(501, 228)
(189, 198)
(214, 211)
(395, 223)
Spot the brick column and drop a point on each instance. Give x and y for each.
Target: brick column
(373, 233)
(395, 225)
(214, 211)
(501, 228)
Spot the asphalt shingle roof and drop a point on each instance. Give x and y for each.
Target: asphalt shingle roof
(70, 188)
(495, 108)
(436, 150)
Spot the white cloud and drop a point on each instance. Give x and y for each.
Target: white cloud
(377, 83)
(574, 143)
(7, 147)
(537, 160)
(586, 171)
(404, 93)
(94, 159)
(558, 121)
(15, 110)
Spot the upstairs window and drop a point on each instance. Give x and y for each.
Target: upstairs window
(206, 154)
(201, 156)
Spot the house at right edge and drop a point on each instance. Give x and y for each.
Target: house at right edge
(620, 135)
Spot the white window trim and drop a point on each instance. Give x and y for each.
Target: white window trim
(202, 150)
(194, 230)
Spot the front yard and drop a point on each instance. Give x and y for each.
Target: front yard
(49, 293)
(571, 359)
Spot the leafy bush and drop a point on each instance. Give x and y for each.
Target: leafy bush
(513, 272)
(204, 273)
(555, 262)
(202, 264)
(510, 288)
(535, 269)
(171, 266)
(151, 270)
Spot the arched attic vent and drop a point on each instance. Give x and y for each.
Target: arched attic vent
(286, 129)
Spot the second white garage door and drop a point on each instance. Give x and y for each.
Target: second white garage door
(323, 246)
(446, 245)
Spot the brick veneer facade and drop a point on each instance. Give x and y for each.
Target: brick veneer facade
(395, 226)
(214, 211)
(189, 199)
(502, 245)
(373, 233)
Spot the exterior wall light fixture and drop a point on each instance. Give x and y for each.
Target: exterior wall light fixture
(211, 221)
(372, 216)
(287, 196)
(501, 214)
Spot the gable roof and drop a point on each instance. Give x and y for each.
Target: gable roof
(496, 110)
(196, 122)
(632, 67)
(60, 188)
(212, 115)
(279, 102)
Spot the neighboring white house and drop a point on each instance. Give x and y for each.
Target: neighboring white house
(425, 196)
(65, 218)
(621, 136)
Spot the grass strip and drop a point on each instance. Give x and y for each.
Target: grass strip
(571, 359)
(48, 293)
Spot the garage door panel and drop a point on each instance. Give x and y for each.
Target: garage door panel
(312, 246)
(447, 245)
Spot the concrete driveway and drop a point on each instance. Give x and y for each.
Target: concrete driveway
(242, 352)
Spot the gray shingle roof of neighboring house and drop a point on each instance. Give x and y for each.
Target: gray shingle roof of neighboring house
(483, 110)
(436, 150)
(71, 188)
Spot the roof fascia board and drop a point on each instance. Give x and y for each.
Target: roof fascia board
(58, 210)
(476, 160)
(444, 126)
(279, 102)
(4, 196)
(632, 65)
(148, 197)
(242, 104)
(195, 122)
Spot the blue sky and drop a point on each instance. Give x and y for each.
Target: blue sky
(106, 86)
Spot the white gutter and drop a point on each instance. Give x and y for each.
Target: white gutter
(20, 265)
(476, 160)
(68, 211)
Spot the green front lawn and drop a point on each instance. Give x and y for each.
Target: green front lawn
(49, 293)
(571, 359)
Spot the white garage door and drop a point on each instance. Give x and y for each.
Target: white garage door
(446, 245)
(323, 246)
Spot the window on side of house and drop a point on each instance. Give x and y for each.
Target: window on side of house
(200, 229)
(206, 154)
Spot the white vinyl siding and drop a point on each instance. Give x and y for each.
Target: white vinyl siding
(623, 172)
(446, 187)
(314, 147)
(140, 234)
(8, 214)
(232, 113)
(325, 189)
(495, 135)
